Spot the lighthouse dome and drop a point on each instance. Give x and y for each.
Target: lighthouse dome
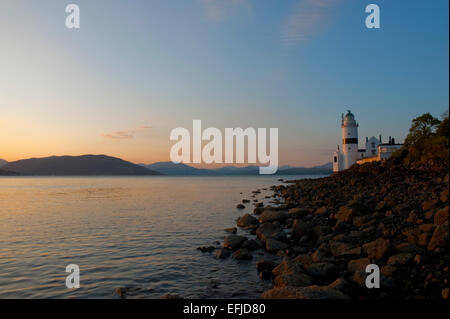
(349, 116)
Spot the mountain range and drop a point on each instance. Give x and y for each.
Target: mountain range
(169, 168)
(85, 165)
(102, 165)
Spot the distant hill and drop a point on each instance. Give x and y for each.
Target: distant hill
(169, 168)
(7, 173)
(85, 165)
(2, 162)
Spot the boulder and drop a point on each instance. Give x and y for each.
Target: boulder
(233, 242)
(345, 214)
(378, 249)
(246, 221)
(400, 259)
(269, 215)
(242, 254)
(223, 253)
(273, 245)
(232, 230)
(251, 244)
(267, 230)
(323, 270)
(358, 264)
(301, 228)
(440, 237)
(441, 216)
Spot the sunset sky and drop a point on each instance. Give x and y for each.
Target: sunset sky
(137, 69)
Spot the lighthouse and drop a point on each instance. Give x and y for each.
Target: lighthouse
(350, 154)
(349, 140)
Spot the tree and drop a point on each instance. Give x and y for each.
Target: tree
(423, 127)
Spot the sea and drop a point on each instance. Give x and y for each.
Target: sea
(131, 237)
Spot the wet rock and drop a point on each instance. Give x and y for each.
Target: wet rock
(223, 253)
(207, 249)
(246, 221)
(233, 242)
(267, 230)
(251, 245)
(273, 245)
(242, 254)
(232, 230)
(272, 215)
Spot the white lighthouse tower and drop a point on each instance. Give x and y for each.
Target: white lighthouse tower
(349, 140)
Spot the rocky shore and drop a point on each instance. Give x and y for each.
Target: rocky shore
(326, 231)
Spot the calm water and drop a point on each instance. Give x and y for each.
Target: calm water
(138, 233)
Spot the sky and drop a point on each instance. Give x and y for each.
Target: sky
(137, 69)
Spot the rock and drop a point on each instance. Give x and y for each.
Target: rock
(222, 253)
(440, 237)
(273, 245)
(262, 265)
(242, 254)
(441, 216)
(378, 249)
(290, 273)
(251, 245)
(298, 212)
(171, 296)
(258, 210)
(246, 221)
(323, 270)
(340, 249)
(232, 230)
(358, 264)
(444, 196)
(301, 228)
(345, 214)
(445, 293)
(311, 292)
(400, 259)
(267, 230)
(233, 242)
(240, 206)
(206, 249)
(272, 215)
(321, 211)
(429, 204)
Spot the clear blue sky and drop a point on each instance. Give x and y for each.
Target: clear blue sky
(292, 64)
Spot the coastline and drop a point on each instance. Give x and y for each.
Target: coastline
(328, 230)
